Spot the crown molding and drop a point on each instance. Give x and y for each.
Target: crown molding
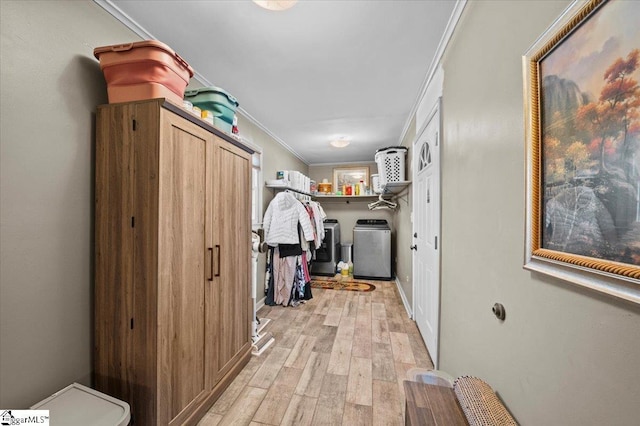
(342, 163)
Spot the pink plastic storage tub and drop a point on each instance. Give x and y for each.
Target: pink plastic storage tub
(143, 70)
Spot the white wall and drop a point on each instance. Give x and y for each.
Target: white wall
(565, 355)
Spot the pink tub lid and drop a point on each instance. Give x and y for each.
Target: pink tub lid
(138, 44)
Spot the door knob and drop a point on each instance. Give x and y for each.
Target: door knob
(415, 247)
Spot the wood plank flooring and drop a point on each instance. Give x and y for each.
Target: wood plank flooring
(338, 359)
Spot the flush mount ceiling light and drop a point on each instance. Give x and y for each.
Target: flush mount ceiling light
(276, 5)
(340, 142)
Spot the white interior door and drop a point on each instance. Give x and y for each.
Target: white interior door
(426, 228)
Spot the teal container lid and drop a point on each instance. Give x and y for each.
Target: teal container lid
(213, 89)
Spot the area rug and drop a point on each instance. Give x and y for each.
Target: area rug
(333, 284)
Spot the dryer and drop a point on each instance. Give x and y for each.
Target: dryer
(327, 256)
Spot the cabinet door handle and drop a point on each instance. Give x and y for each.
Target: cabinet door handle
(218, 256)
(210, 250)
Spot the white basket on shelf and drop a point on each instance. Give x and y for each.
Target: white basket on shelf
(390, 163)
(375, 183)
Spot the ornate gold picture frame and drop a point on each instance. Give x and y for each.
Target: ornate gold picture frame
(582, 125)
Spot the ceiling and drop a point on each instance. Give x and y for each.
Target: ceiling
(309, 74)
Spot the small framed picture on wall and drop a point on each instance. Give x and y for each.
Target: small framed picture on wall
(349, 176)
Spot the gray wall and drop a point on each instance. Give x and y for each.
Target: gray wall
(565, 355)
(402, 223)
(50, 87)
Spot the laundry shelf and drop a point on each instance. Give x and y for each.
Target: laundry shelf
(287, 187)
(333, 197)
(395, 187)
(301, 195)
(391, 189)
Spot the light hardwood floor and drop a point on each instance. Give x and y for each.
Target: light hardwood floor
(338, 359)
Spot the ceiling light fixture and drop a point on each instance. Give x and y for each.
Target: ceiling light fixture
(276, 5)
(340, 142)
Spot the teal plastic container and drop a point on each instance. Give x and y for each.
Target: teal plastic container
(214, 99)
(222, 125)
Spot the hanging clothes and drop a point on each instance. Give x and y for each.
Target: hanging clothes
(281, 220)
(306, 288)
(292, 230)
(286, 250)
(284, 272)
(268, 278)
(319, 216)
(301, 289)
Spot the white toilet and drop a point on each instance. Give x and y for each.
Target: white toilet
(78, 405)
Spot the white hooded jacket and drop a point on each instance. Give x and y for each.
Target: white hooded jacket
(281, 221)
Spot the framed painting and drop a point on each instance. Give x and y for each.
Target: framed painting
(582, 115)
(349, 176)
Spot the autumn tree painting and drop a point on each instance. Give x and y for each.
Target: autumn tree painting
(590, 122)
(615, 113)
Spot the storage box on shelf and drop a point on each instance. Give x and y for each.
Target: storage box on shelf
(291, 179)
(216, 100)
(375, 183)
(222, 125)
(208, 117)
(325, 188)
(143, 70)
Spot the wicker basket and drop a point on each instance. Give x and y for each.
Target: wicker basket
(480, 404)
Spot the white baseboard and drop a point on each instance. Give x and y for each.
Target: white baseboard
(403, 296)
(260, 304)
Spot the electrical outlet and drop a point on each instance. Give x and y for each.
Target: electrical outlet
(407, 278)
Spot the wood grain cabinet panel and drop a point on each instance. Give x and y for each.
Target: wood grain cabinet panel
(173, 261)
(232, 174)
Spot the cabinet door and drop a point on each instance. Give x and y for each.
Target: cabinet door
(114, 247)
(232, 224)
(185, 159)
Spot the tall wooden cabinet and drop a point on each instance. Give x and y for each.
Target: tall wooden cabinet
(173, 262)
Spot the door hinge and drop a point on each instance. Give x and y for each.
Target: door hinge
(436, 242)
(134, 124)
(133, 221)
